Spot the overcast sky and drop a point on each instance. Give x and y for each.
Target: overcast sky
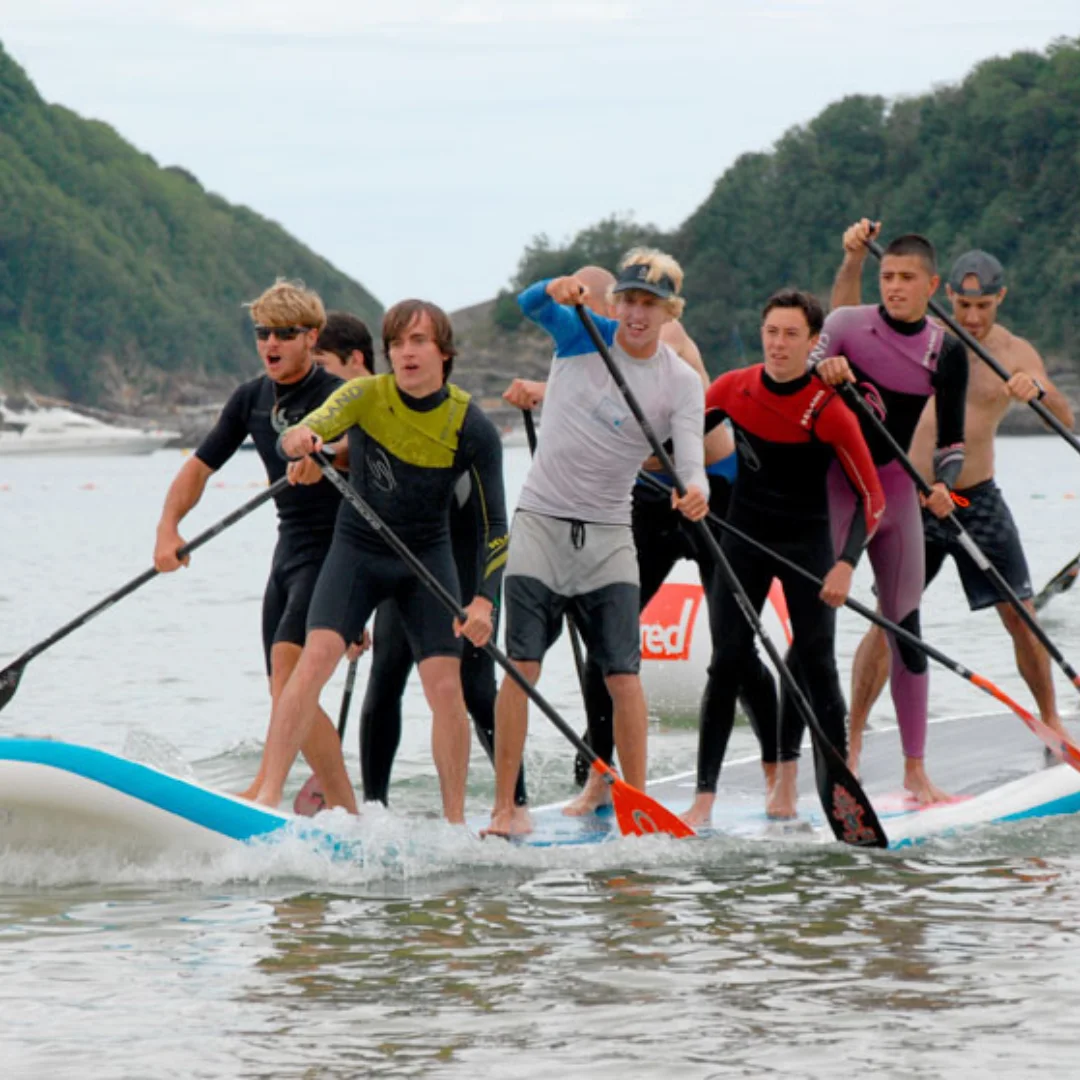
(420, 144)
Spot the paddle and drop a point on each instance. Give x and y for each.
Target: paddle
(974, 552)
(847, 809)
(1064, 748)
(310, 799)
(581, 765)
(637, 813)
(12, 674)
(1061, 582)
(1039, 408)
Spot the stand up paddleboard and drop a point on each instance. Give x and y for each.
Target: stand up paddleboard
(60, 797)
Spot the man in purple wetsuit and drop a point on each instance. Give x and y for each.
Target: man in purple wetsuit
(897, 359)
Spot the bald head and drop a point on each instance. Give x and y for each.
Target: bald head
(597, 280)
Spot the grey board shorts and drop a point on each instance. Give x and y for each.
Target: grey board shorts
(556, 567)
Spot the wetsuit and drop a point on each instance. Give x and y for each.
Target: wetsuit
(662, 537)
(787, 434)
(392, 660)
(263, 409)
(405, 456)
(898, 366)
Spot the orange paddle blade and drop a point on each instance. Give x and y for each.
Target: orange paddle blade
(1065, 748)
(637, 813)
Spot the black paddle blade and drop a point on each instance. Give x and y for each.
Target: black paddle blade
(847, 809)
(9, 683)
(1061, 582)
(582, 764)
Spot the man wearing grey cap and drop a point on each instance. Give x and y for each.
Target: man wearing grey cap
(976, 289)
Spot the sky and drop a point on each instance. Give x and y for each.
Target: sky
(419, 145)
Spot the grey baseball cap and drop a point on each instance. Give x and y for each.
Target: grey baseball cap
(982, 266)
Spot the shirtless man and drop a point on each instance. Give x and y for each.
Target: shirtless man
(976, 290)
(661, 541)
(571, 546)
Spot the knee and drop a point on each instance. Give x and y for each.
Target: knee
(913, 658)
(623, 688)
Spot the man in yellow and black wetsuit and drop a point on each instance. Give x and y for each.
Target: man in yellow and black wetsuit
(411, 436)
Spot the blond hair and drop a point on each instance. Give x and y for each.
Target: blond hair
(288, 303)
(660, 264)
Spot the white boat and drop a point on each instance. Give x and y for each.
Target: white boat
(56, 430)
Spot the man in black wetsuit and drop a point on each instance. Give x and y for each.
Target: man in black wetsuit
(288, 319)
(412, 435)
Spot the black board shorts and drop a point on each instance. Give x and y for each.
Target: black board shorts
(285, 603)
(355, 580)
(988, 520)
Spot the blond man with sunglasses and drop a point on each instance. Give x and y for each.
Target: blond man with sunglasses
(287, 320)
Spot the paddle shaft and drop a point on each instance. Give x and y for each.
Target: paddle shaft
(137, 583)
(1045, 733)
(1037, 406)
(974, 552)
(346, 698)
(821, 741)
(448, 601)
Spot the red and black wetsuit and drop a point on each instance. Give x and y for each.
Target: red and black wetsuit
(787, 434)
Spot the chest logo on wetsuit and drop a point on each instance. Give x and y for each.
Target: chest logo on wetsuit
(380, 470)
(873, 399)
(747, 453)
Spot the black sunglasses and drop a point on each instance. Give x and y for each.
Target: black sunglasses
(282, 333)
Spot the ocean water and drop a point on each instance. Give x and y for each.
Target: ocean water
(445, 956)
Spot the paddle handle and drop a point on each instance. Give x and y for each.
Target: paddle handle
(981, 352)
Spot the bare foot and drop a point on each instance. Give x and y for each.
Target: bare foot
(505, 823)
(699, 815)
(919, 785)
(521, 821)
(782, 800)
(1054, 724)
(595, 794)
(854, 753)
(249, 793)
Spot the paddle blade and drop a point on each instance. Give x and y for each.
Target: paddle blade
(847, 809)
(1061, 582)
(310, 799)
(9, 683)
(639, 814)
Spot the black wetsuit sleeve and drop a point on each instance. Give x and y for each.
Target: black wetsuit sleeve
(482, 457)
(229, 432)
(950, 402)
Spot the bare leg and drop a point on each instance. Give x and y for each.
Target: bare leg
(511, 725)
(321, 749)
(769, 769)
(450, 734)
(631, 720)
(782, 800)
(1033, 663)
(869, 673)
(295, 711)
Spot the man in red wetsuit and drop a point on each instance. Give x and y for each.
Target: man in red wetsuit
(789, 427)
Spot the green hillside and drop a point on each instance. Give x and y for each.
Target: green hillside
(991, 163)
(117, 275)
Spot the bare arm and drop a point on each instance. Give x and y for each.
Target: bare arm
(674, 334)
(847, 287)
(1028, 374)
(184, 492)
